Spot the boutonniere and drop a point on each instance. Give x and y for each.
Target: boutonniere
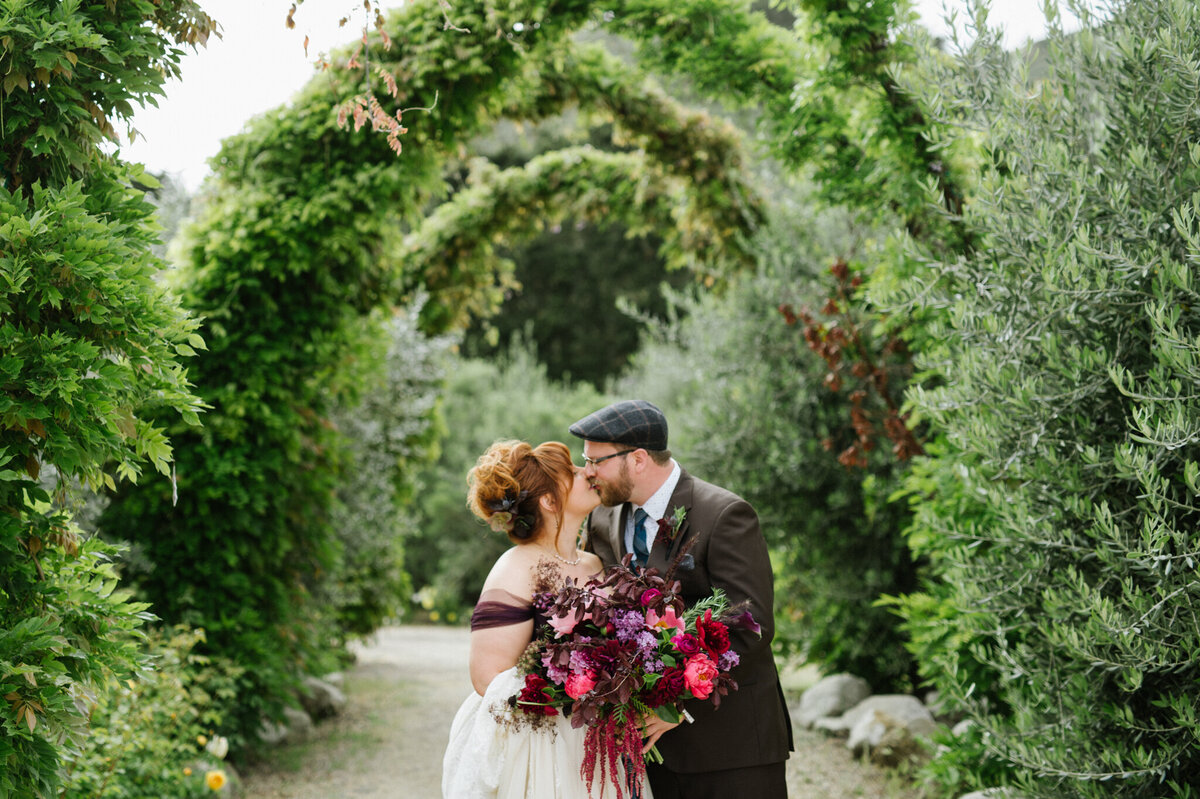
(668, 527)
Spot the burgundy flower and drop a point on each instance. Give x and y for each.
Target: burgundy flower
(746, 622)
(667, 689)
(666, 531)
(668, 527)
(687, 644)
(713, 635)
(534, 699)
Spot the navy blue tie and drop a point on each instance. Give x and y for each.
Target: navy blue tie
(641, 550)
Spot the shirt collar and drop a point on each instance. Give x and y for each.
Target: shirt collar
(656, 506)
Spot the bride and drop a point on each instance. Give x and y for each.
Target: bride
(539, 498)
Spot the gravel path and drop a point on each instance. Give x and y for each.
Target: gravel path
(403, 692)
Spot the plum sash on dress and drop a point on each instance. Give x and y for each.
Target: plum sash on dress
(499, 608)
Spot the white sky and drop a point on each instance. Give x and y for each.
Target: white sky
(259, 64)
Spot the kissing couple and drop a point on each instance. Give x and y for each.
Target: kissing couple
(569, 523)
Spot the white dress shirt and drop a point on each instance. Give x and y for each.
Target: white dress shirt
(655, 508)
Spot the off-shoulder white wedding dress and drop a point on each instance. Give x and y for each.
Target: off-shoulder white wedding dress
(495, 752)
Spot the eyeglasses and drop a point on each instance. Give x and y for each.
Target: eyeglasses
(597, 461)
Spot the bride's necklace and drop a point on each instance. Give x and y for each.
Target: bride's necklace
(564, 560)
(560, 558)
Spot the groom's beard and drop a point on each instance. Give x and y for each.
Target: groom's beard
(617, 491)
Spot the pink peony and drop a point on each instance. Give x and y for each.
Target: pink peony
(698, 675)
(579, 683)
(664, 622)
(563, 625)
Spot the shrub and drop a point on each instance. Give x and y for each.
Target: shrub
(157, 733)
(89, 346)
(1070, 415)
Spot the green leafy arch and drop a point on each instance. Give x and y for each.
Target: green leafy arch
(307, 228)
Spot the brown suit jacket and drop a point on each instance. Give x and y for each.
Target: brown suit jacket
(751, 727)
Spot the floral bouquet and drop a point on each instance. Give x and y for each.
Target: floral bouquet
(619, 648)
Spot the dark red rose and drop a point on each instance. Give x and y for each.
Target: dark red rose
(534, 699)
(667, 689)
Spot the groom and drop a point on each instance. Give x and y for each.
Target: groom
(738, 749)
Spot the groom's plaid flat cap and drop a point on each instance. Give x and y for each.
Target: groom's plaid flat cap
(634, 423)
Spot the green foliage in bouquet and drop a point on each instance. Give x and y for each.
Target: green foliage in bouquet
(1070, 413)
(89, 350)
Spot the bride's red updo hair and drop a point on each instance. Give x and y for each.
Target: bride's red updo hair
(512, 476)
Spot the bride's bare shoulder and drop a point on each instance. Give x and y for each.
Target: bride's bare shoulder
(591, 564)
(512, 572)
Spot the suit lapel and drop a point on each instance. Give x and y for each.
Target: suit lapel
(618, 530)
(660, 555)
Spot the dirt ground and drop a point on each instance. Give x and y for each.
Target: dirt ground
(403, 693)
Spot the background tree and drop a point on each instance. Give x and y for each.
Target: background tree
(572, 280)
(1071, 420)
(389, 435)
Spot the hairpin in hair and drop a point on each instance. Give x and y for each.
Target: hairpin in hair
(504, 516)
(508, 503)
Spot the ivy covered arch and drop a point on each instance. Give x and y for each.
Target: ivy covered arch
(307, 229)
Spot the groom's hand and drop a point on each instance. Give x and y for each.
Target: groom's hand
(653, 729)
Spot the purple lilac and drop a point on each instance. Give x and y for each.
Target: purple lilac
(647, 643)
(628, 623)
(728, 660)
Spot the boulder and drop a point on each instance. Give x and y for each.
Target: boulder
(906, 710)
(295, 726)
(321, 698)
(831, 696)
(877, 726)
(890, 743)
